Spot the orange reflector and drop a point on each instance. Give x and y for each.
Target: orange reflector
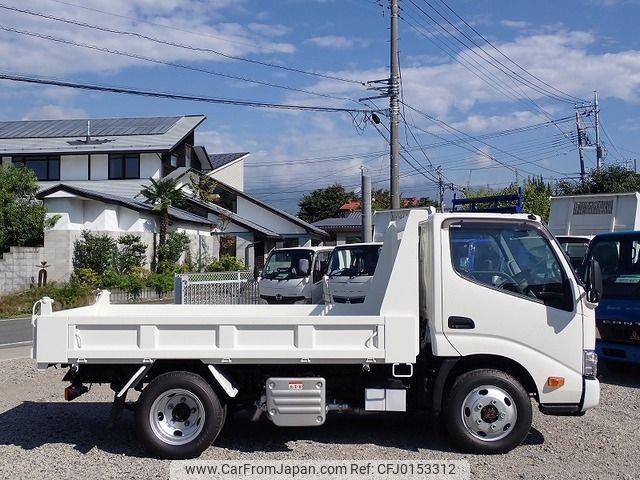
(555, 382)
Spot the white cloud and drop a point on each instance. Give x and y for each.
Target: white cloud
(515, 24)
(55, 112)
(190, 22)
(337, 42)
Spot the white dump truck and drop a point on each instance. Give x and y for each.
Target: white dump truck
(294, 275)
(589, 215)
(350, 270)
(469, 317)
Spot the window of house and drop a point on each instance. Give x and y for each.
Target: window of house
(228, 245)
(290, 242)
(45, 167)
(124, 166)
(174, 160)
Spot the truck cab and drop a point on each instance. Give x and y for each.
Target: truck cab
(618, 313)
(349, 272)
(293, 275)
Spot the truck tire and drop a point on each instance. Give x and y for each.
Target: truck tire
(487, 411)
(178, 416)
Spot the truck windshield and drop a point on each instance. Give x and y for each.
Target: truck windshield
(355, 261)
(286, 264)
(619, 261)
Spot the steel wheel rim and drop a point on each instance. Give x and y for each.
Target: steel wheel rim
(489, 413)
(177, 416)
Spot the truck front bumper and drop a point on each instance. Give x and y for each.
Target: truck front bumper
(590, 398)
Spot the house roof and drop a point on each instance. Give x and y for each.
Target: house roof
(351, 222)
(174, 213)
(352, 204)
(235, 218)
(219, 160)
(181, 171)
(146, 134)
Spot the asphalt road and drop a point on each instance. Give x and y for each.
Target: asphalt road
(15, 330)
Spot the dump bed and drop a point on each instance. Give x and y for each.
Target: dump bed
(384, 329)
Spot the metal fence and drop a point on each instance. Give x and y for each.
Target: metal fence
(228, 288)
(146, 295)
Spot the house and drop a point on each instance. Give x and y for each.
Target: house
(91, 172)
(343, 229)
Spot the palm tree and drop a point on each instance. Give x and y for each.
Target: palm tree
(163, 194)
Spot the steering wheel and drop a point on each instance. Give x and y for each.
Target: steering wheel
(521, 286)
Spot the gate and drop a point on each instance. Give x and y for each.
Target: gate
(228, 288)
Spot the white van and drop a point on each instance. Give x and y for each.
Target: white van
(349, 273)
(294, 275)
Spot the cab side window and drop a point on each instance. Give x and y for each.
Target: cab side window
(512, 257)
(320, 267)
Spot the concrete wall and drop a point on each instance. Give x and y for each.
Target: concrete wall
(99, 167)
(6, 161)
(150, 164)
(232, 175)
(74, 167)
(18, 268)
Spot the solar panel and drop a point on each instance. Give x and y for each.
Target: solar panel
(100, 127)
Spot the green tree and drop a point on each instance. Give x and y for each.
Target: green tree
(163, 194)
(428, 202)
(132, 253)
(535, 196)
(203, 189)
(95, 251)
(380, 199)
(169, 254)
(22, 218)
(323, 202)
(609, 179)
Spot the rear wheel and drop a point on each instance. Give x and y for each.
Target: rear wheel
(178, 415)
(487, 411)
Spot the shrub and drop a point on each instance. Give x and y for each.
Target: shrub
(84, 277)
(131, 253)
(169, 254)
(95, 251)
(66, 295)
(226, 263)
(161, 282)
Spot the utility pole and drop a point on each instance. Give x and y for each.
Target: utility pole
(440, 188)
(580, 152)
(366, 208)
(394, 109)
(597, 125)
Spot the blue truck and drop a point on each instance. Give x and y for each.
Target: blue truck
(618, 313)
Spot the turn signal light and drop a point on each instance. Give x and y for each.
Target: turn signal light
(555, 382)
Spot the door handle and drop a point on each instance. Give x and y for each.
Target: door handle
(461, 323)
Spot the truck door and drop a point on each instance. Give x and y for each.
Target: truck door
(507, 292)
(319, 269)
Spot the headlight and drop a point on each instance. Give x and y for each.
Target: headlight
(302, 302)
(590, 363)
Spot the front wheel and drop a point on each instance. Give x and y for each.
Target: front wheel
(178, 416)
(487, 411)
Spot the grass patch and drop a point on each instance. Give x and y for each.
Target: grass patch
(66, 295)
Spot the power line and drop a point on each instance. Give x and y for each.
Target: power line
(167, 63)
(178, 45)
(568, 95)
(174, 96)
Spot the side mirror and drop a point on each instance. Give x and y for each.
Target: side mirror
(594, 281)
(303, 266)
(256, 272)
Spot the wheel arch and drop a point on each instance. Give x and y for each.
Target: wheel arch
(452, 368)
(219, 382)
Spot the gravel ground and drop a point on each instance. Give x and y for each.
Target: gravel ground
(42, 436)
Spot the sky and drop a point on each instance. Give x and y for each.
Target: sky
(489, 92)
